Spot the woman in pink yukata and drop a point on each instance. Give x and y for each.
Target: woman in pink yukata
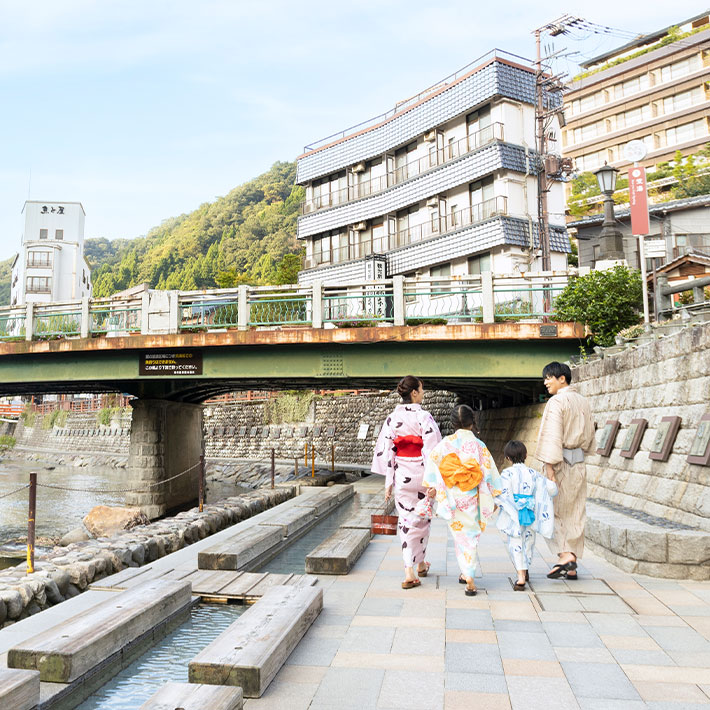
(462, 476)
(407, 436)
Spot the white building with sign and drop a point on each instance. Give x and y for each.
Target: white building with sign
(50, 266)
(444, 185)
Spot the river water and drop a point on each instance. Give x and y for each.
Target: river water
(58, 511)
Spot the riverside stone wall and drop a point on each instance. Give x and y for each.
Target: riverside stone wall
(240, 430)
(64, 572)
(644, 515)
(81, 440)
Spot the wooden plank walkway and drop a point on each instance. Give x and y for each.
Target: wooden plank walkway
(69, 650)
(194, 696)
(19, 689)
(253, 649)
(214, 585)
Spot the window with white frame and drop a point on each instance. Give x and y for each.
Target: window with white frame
(632, 117)
(631, 86)
(39, 258)
(686, 132)
(43, 233)
(59, 234)
(443, 271)
(588, 132)
(479, 264)
(38, 284)
(682, 68)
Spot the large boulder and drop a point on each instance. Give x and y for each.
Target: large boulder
(76, 535)
(105, 521)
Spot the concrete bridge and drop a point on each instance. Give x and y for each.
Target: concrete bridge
(481, 337)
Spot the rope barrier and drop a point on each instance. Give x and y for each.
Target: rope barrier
(117, 490)
(5, 495)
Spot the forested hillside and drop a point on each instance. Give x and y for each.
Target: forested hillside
(5, 275)
(248, 236)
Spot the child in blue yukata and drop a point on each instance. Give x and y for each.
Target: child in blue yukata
(525, 508)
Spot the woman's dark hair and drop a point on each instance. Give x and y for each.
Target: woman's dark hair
(515, 451)
(406, 386)
(463, 417)
(557, 369)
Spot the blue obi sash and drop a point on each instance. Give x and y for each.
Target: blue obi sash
(526, 508)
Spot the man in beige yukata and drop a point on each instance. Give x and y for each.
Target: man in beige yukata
(566, 434)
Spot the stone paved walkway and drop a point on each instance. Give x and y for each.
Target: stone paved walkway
(610, 641)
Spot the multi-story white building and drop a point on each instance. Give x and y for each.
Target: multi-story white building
(50, 266)
(443, 185)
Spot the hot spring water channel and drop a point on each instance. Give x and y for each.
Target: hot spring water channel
(168, 659)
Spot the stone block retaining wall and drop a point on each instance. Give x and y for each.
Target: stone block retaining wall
(82, 440)
(223, 425)
(67, 571)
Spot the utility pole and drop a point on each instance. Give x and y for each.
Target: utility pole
(541, 146)
(551, 166)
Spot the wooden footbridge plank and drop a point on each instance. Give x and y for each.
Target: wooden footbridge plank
(292, 521)
(19, 689)
(71, 649)
(339, 552)
(193, 696)
(237, 551)
(253, 649)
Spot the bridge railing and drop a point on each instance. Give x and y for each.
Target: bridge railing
(476, 298)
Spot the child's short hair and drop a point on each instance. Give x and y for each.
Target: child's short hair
(515, 451)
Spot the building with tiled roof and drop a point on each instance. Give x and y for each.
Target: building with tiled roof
(443, 185)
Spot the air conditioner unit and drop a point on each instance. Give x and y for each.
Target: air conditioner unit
(359, 226)
(358, 167)
(430, 136)
(432, 202)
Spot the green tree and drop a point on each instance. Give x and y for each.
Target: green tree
(606, 301)
(691, 182)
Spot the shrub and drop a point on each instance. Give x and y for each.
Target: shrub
(6, 442)
(605, 301)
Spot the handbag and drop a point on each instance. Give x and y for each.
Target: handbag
(383, 524)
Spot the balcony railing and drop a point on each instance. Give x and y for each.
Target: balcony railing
(435, 158)
(435, 227)
(485, 297)
(35, 262)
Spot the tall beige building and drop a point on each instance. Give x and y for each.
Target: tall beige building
(652, 89)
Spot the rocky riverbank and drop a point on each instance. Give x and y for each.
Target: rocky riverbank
(64, 572)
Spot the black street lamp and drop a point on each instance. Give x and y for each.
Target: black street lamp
(611, 241)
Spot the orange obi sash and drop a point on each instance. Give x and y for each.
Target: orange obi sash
(409, 446)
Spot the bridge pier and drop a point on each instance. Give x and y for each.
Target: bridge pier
(166, 439)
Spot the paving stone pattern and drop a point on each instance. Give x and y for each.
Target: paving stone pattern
(376, 646)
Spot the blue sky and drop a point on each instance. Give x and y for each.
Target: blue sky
(144, 110)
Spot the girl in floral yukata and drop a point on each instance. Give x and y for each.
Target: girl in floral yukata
(463, 477)
(525, 508)
(407, 436)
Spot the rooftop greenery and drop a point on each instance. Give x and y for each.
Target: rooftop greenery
(674, 35)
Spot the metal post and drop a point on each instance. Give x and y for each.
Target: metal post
(305, 456)
(313, 461)
(332, 458)
(202, 482)
(644, 282)
(31, 524)
(273, 467)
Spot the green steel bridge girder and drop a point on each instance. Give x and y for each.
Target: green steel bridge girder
(454, 364)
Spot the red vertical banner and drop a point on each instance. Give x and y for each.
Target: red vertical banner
(638, 198)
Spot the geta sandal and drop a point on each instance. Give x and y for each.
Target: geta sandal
(424, 572)
(517, 587)
(410, 583)
(470, 592)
